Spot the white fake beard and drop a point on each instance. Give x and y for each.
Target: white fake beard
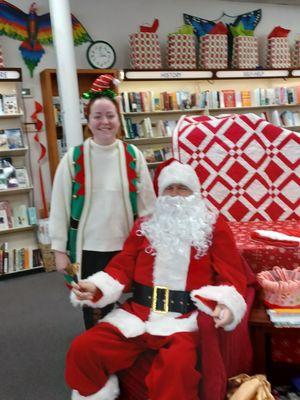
(176, 221)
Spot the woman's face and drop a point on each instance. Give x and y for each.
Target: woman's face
(104, 121)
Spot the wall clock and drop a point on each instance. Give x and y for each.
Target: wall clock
(101, 55)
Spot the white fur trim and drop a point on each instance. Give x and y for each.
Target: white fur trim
(224, 294)
(127, 323)
(166, 261)
(277, 235)
(166, 324)
(110, 287)
(178, 173)
(109, 392)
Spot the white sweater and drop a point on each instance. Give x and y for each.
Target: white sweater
(106, 217)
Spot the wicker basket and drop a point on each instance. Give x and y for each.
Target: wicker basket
(48, 257)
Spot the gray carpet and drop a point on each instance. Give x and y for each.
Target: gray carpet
(37, 325)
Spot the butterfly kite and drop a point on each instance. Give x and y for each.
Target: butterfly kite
(34, 31)
(239, 24)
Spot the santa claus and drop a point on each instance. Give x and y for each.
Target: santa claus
(178, 262)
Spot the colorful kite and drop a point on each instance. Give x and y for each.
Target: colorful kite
(34, 31)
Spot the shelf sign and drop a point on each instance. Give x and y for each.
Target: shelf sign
(144, 75)
(296, 72)
(9, 75)
(257, 73)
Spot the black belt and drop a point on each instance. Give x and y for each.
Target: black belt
(161, 299)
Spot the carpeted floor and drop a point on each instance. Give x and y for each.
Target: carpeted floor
(37, 325)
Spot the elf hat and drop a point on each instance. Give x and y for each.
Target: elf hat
(171, 172)
(104, 85)
(104, 82)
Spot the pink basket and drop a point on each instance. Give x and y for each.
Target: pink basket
(281, 287)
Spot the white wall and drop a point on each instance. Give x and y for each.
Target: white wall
(114, 20)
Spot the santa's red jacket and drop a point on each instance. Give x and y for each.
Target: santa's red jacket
(217, 277)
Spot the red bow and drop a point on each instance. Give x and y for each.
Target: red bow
(39, 126)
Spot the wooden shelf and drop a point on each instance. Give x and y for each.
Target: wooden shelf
(187, 111)
(208, 110)
(294, 128)
(23, 270)
(14, 152)
(7, 116)
(154, 140)
(19, 229)
(15, 191)
(254, 107)
(154, 164)
(178, 75)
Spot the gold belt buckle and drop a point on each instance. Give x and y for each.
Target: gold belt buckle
(165, 301)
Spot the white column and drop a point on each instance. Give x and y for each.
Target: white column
(66, 70)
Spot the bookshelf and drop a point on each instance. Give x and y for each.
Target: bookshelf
(18, 244)
(170, 82)
(218, 84)
(49, 87)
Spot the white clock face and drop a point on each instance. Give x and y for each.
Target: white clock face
(101, 55)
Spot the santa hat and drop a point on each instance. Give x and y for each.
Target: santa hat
(171, 172)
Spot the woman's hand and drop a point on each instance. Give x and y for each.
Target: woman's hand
(61, 261)
(222, 316)
(84, 290)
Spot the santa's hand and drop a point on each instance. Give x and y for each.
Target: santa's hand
(222, 316)
(85, 290)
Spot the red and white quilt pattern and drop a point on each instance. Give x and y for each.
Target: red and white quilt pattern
(248, 168)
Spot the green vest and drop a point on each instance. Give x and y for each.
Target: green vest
(78, 191)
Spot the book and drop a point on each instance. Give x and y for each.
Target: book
(10, 105)
(3, 220)
(5, 261)
(14, 138)
(32, 217)
(246, 98)
(7, 174)
(149, 155)
(4, 205)
(22, 177)
(20, 215)
(1, 262)
(3, 140)
(229, 98)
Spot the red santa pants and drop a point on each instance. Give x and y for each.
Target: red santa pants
(103, 350)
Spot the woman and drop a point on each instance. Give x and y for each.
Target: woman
(99, 189)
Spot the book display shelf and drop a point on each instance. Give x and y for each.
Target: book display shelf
(153, 101)
(19, 251)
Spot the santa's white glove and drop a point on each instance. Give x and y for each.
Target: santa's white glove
(222, 316)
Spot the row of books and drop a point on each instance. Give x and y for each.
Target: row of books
(286, 118)
(61, 146)
(258, 97)
(228, 98)
(285, 317)
(11, 139)
(12, 177)
(57, 111)
(157, 154)
(8, 104)
(13, 260)
(147, 128)
(16, 216)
